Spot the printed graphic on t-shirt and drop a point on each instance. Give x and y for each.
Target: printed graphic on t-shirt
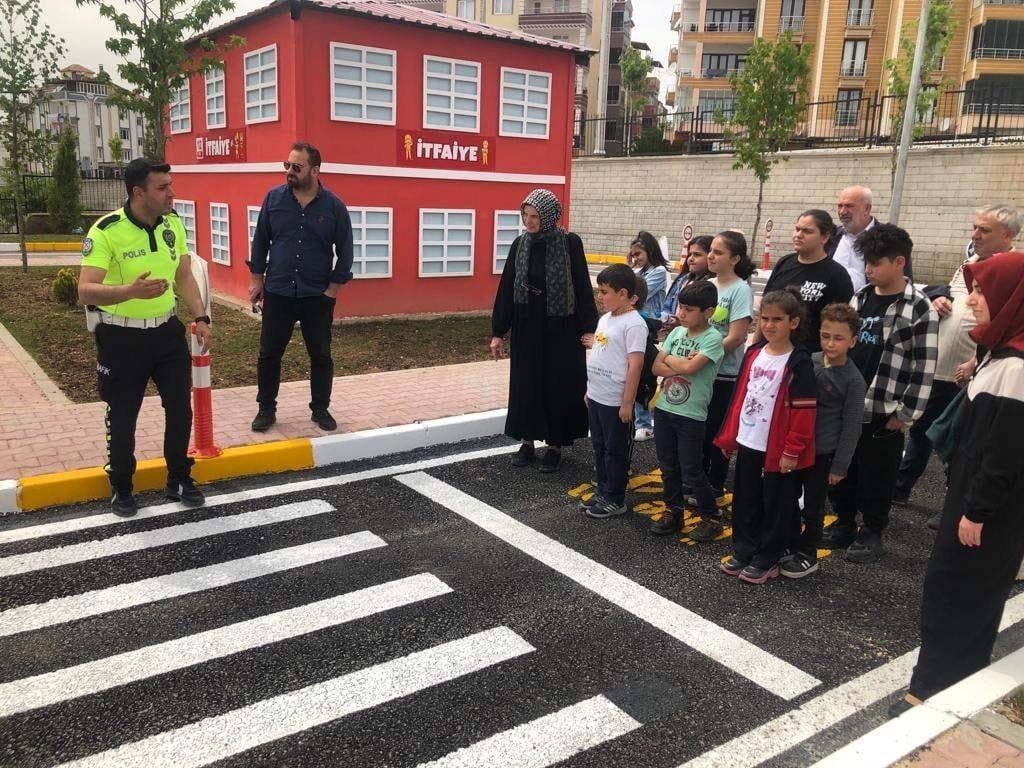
(677, 388)
(761, 394)
(600, 338)
(812, 292)
(870, 331)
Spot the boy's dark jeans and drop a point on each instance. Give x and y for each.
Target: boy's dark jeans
(815, 482)
(677, 441)
(613, 447)
(871, 479)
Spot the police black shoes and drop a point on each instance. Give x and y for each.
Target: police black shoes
(324, 420)
(122, 504)
(264, 420)
(185, 491)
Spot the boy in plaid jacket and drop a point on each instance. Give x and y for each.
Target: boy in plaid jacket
(896, 352)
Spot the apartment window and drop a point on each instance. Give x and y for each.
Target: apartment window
(371, 241)
(613, 94)
(252, 213)
(125, 135)
(186, 210)
(561, 6)
(451, 94)
(508, 225)
(502, 7)
(729, 20)
(614, 55)
(847, 107)
(525, 103)
(220, 237)
(617, 20)
(612, 130)
(216, 112)
(721, 64)
(179, 110)
(536, 7)
(363, 83)
(126, 155)
(858, 13)
(465, 9)
(446, 242)
(855, 56)
(261, 85)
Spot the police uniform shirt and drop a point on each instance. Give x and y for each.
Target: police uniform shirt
(126, 248)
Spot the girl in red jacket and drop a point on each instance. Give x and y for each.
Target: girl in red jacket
(770, 426)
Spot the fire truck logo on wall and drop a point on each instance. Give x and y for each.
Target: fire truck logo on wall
(437, 149)
(221, 147)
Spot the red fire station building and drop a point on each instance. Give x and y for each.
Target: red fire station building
(433, 129)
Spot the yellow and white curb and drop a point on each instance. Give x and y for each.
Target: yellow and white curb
(74, 486)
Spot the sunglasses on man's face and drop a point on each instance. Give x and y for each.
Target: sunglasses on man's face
(293, 167)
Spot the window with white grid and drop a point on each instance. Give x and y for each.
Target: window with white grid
(363, 84)
(371, 241)
(186, 210)
(451, 94)
(180, 109)
(508, 225)
(216, 112)
(220, 237)
(261, 85)
(253, 213)
(446, 242)
(525, 103)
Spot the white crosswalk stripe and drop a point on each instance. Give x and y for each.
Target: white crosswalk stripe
(37, 615)
(174, 534)
(103, 674)
(220, 737)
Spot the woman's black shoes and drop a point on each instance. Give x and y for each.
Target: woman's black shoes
(551, 461)
(524, 455)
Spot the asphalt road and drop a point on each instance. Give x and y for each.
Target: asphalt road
(439, 608)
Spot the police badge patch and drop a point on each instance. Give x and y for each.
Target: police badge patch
(169, 237)
(87, 246)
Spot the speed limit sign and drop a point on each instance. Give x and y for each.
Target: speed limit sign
(768, 225)
(687, 233)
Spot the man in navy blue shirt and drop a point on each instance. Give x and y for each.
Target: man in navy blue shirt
(302, 226)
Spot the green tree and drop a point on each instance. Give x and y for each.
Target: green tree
(29, 53)
(769, 98)
(151, 40)
(941, 27)
(116, 147)
(64, 199)
(634, 68)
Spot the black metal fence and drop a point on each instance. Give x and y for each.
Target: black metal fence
(959, 116)
(98, 194)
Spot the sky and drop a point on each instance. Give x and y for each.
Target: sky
(85, 31)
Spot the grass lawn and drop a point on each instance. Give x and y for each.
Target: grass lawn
(56, 337)
(43, 238)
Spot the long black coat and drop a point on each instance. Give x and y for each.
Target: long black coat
(549, 367)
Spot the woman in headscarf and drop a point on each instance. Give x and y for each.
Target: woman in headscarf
(546, 299)
(980, 542)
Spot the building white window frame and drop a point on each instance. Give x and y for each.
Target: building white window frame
(503, 254)
(444, 243)
(215, 247)
(529, 88)
(451, 93)
(246, 88)
(179, 109)
(186, 212)
(364, 84)
(359, 241)
(462, 13)
(216, 78)
(251, 223)
(503, 7)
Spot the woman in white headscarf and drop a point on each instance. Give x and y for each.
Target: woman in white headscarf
(546, 300)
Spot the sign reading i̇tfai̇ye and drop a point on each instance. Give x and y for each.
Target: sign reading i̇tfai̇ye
(223, 146)
(440, 149)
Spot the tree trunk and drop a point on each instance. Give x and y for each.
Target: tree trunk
(19, 218)
(757, 219)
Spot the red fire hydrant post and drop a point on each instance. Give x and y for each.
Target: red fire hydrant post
(202, 402)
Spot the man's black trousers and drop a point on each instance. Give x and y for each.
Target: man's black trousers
(314, 314)
(126, 359)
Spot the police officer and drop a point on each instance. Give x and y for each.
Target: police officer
(134, 261)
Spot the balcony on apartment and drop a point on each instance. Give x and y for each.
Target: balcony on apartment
(729, 24)
(859, 17)
(987, 10)
(794, 24)
(713, 69)
(997, 48)
(550, 14)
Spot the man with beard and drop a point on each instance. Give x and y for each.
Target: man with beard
(301, 227)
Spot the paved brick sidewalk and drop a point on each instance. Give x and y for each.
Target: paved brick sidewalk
(38, 436)
(966, 746)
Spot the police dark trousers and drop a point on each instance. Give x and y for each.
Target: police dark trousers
(764, 506)
(919, 447)
(677, 441)
(613, 447)
(815, 484)
(314, 315)
(716, 466)
(871, 478)
(127, 358)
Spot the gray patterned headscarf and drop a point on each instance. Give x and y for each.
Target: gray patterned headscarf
(561, 299)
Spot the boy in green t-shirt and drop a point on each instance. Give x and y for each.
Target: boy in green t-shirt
(689, 360)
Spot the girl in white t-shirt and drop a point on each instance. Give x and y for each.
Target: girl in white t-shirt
(770, 428)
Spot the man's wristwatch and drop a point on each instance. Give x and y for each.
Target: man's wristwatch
(204, 319)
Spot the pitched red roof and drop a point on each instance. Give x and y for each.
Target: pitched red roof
(404, 14)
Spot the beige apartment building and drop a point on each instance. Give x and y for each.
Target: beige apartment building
(851, 41)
